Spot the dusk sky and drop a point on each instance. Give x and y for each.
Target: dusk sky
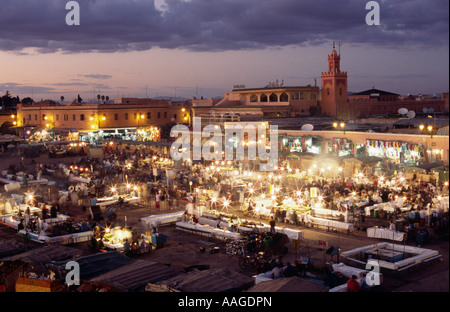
(186, 48)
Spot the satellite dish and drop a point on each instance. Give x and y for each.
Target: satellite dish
(411, 114)
(402, 111)
(425, 110)
(307, 127)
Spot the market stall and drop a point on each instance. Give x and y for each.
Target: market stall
(330, 224)
(72, 238)
(206, 230)
(14, 220)
(162, 219)
(383, 233)
(111, 200)
(391, 256)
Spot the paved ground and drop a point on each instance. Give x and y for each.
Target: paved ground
(182, 249)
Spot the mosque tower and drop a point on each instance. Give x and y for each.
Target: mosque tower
(334, 88)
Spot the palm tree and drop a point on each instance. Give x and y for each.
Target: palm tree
(103, 98)
(62, 99)
(107, 98)
(98, 97)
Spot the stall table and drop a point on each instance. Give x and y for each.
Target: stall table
(331, 224)
(386, 234)
(206, 230)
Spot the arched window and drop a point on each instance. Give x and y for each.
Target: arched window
(253, 98)
(302, 95)
(313, 96)
(273, 98)
(263, 98)
(294, 96)
(284, 97)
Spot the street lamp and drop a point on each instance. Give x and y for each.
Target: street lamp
(103, 118)
(13, 117)
(429, 128)
(341, 125)
(139, 117)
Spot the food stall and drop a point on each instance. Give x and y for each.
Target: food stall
(115, 238)
(384, 233)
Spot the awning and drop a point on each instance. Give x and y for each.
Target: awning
(45, 255)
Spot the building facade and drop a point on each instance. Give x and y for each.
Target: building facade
(274, 100)
(378, 102)
(126, 114)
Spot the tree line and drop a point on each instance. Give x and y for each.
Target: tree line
(9, 101)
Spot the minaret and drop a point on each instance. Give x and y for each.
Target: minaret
(334, 88)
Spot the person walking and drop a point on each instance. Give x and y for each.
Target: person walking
(272, 223)
(158, 200)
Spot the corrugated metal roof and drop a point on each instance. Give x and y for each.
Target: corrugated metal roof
(214, 280)
(96, 264)
(8, 249)
(288, 284)
(133, 276)
(45, 254)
